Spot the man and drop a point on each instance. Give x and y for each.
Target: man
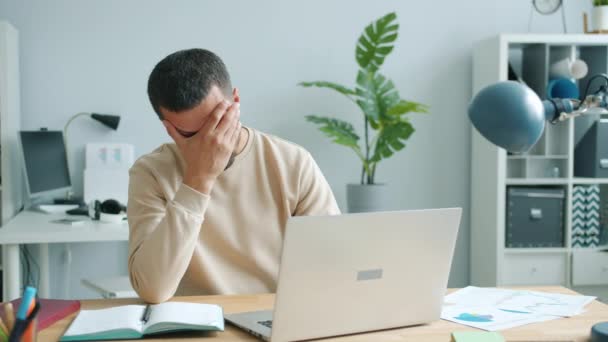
(207, 214)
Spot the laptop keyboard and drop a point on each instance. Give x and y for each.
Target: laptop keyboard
(267, 323)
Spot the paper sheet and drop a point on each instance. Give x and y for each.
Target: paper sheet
(497, 309)
(490, 318)
(527, 301)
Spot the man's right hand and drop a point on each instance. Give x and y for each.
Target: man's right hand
(208, 151)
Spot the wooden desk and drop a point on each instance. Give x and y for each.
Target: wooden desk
(567, 329)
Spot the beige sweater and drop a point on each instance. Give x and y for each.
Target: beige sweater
(183, 242)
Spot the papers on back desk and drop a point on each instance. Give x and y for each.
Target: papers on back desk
(497, 309)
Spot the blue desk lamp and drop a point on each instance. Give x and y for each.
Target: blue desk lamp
(510, 115)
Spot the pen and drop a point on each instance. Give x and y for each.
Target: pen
(21, 323)
(28, 334)
(146, 315)
(28, 297)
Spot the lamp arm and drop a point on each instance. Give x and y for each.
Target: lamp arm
(65, 143)
(557, 110)
(65, 128)
(591, 104)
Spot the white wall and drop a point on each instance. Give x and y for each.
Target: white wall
(96, 56)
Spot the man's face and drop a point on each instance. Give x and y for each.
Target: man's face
(189, 122)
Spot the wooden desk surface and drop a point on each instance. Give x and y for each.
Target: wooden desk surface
(576, 328)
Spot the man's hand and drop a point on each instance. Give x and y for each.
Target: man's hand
(208, 151)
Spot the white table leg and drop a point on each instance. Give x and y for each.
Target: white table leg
(12, 272)
(44, 288)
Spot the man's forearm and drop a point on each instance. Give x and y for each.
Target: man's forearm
(162, 248)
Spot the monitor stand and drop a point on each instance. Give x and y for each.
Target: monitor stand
(69, 199)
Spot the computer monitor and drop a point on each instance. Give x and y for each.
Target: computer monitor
(45, 160)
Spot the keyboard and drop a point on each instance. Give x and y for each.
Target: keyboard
(267, 324)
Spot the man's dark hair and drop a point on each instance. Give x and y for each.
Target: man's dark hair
(183, 79)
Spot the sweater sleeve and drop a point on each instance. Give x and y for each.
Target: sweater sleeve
(163, 233)
(314, 194)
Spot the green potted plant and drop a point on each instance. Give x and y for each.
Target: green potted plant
(600, 15)
(385, 121)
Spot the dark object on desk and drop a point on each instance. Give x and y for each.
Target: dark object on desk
(80, 211)
(591, 153)
(72, 200)
(535, 217)
(51, 310)
(96, 208)
(599, 332)
(109, 206)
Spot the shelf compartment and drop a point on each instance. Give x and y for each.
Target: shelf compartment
(558, 53)
(535, 269)
(557, 138)
(535, 71)
(589, 268)
(596, 58)
(547, 168)
(516, 168)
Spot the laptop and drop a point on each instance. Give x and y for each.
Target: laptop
(355, 273)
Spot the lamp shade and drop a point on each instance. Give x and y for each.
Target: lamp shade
(111, 121)
(509, 114)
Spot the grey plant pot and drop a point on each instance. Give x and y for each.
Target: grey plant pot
(367, 198)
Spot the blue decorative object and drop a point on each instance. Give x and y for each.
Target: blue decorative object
(562, 88)
(510, 115)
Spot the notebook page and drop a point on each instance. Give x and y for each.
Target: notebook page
(117, 318)
(174, 314)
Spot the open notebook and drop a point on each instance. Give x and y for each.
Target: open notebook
(135, 321)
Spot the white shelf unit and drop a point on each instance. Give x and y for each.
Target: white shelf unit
(11, 173)
(547, 164)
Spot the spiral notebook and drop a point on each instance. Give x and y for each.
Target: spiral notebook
(137, 321)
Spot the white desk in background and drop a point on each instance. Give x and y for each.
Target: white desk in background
(30, 227)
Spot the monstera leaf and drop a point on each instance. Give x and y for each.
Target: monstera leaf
(404, 107)
(376, 42)
(323, 84)
(376, 95)
(340, 131)
(391, 138)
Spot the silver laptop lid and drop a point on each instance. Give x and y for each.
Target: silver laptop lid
(362, 272)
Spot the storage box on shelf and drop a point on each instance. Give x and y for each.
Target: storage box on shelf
(497, 259)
